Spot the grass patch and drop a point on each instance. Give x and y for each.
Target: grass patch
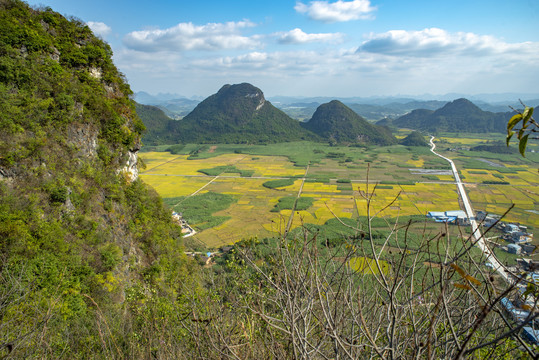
(231, 169)
(287, 203)
(274, 184)
(197, 210)
(403, 182)
(317, 180)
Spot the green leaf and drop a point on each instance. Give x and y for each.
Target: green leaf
(514, 120)
(522, 144)
(527, 114)
(509, 136)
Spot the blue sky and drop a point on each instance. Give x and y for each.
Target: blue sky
(319, 48)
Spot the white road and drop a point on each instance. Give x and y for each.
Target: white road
(479, 241)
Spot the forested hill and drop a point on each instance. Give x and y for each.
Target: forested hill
(460, 115)
(81, 238)
(336, 122)
(160, 129)
(238, 114)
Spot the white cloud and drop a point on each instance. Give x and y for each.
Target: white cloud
(280, 63)
(436, 42)
(297, 36)
(406, 62)
(99, 28)
(337, 11)
(187, 36)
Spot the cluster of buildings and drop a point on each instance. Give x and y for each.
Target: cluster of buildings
(456, 217)
(521, 313)
(522, 306)
(516, 235)
(186, 229)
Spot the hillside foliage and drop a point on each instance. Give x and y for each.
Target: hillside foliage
(237, 114)
(79, 241)
(159, 127)
(337, 122)
(414, 139)
(460, 115)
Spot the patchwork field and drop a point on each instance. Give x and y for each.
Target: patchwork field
(410, 181)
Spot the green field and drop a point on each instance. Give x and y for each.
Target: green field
(262, 182)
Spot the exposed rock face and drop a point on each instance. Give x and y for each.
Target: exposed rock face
(6, 176)
(84, 138)
(96, 72)
(131, 169)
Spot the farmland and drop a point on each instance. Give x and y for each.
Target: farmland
(262, 181)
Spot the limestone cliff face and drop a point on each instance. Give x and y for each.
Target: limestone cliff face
(130, 170)
(69, 138)
(83, 137)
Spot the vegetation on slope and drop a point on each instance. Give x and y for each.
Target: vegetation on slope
(159, 127)
(238, 114)
(414, 139)
(336, 122)
(77, 238)
(460, 115)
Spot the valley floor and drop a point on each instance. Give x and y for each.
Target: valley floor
(335, 182)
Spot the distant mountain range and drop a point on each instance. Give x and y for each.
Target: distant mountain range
(173, 105)
(370, 108)
(460, 115)
(241, 114)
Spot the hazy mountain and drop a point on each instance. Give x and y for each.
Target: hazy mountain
(337, 122)
(238, 114)
(460, 115)
(371, 112)
(175, 106)
(392, 110)
(143, 97)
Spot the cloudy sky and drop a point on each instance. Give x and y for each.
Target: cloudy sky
(319, 48)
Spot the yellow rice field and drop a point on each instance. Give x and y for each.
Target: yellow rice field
(250, 215)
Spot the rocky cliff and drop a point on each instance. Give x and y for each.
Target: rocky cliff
(76, 223)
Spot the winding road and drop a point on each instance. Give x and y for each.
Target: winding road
(476, 233)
